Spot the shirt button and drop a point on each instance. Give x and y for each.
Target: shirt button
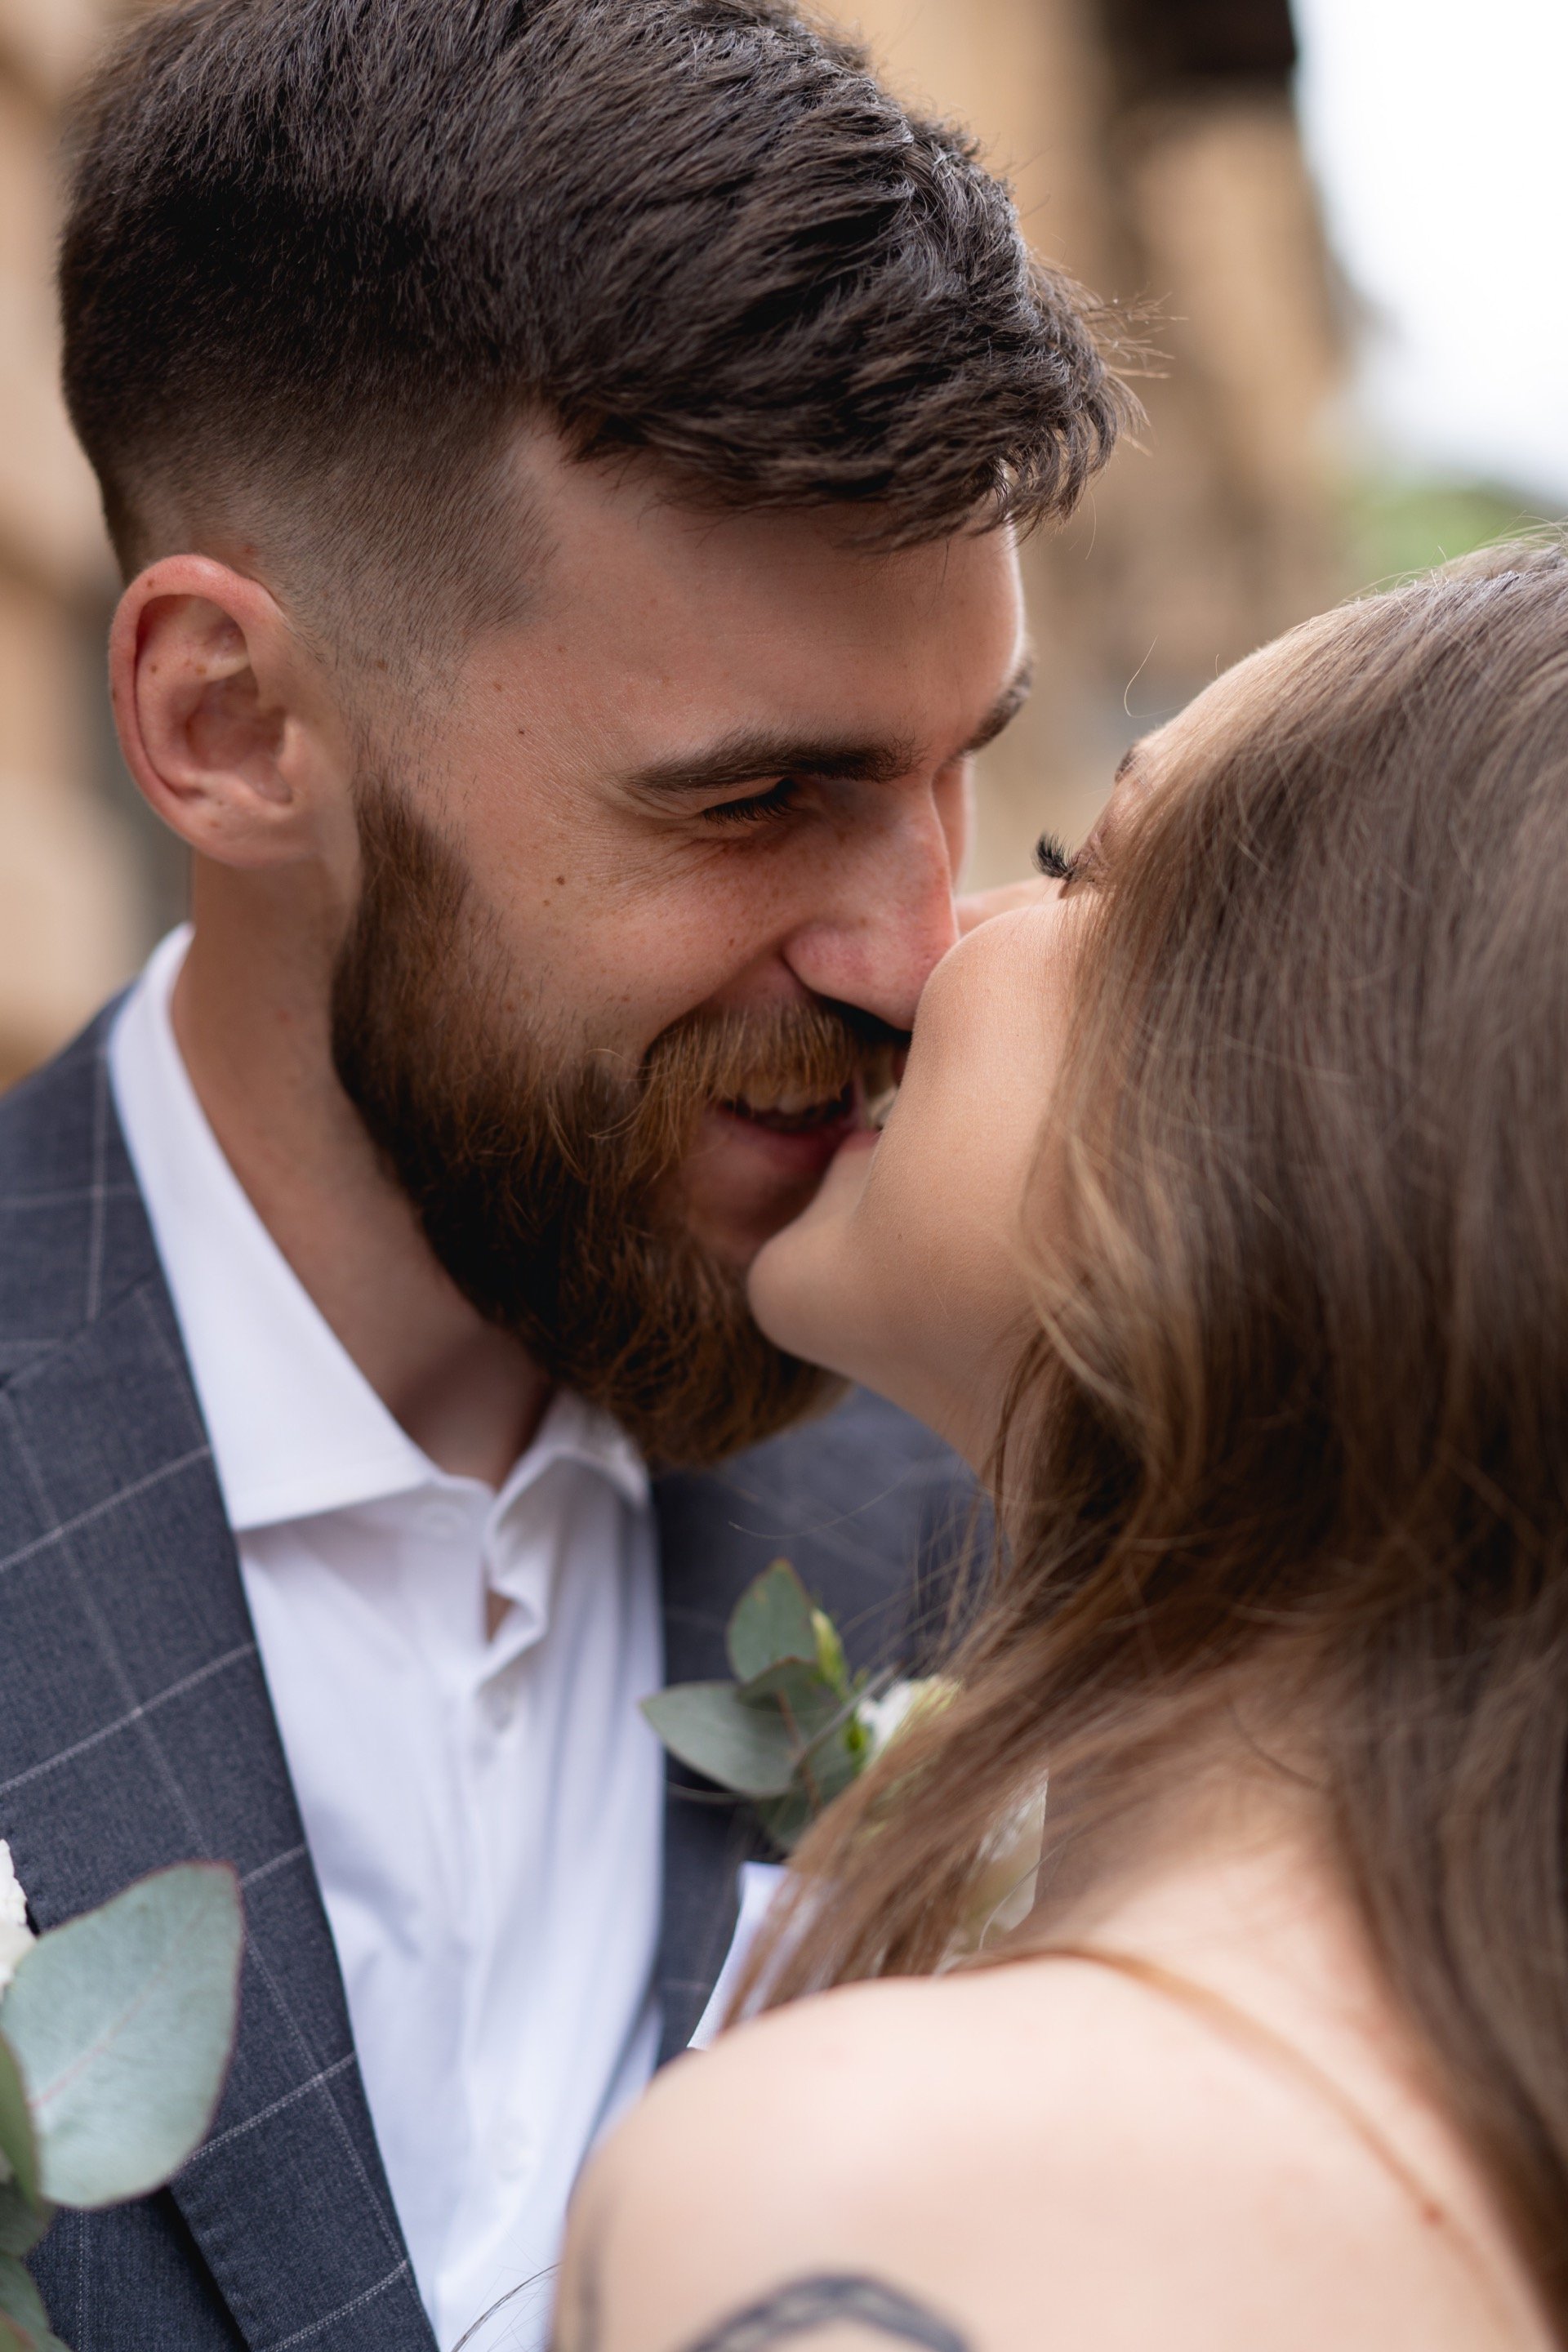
(501, 1706)
(445, 1520)
(514, 2153)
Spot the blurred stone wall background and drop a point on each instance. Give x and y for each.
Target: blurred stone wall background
(72, 903)
(1153, 151)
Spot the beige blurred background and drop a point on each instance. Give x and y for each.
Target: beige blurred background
(1154, 150)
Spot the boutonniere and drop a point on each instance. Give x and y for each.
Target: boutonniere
(794, 1727)
(115, 2035)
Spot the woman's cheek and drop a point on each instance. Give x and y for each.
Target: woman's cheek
(801, 1282)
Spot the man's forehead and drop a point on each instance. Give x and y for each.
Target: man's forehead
(629, 531)
(688, 634)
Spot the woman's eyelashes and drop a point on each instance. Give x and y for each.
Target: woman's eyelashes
(1054, 860)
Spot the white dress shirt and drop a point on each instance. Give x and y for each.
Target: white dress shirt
(484, 1814)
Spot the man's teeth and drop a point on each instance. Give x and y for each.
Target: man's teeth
(787, 1106)
(792, 1111)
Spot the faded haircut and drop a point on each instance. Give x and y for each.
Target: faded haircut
(323, 257)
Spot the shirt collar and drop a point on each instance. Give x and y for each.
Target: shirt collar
(296, 1428)
(573, 1431)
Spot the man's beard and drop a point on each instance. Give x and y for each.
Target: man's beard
(550, 1192)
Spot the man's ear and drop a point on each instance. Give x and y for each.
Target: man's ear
(222, 717)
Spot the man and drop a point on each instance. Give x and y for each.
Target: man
(563, 457)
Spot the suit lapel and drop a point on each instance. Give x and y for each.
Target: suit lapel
(135, 1727)
(707, 1835)
(871, 1511)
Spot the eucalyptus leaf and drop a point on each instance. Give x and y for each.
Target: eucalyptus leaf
(19, 2142)
(831, 1763)
(829, 1750)
(21, 2305)
(21, 2224)
(123, 2023)
(824, 1775)
(771, 1621)
(786, 1818)
(709, 1725)
(807, 1703)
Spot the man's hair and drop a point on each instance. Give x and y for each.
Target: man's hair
(323, 256)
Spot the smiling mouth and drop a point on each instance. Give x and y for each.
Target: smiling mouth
(792, 1114)
(864, 1102)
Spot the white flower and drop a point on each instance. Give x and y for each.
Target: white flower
(882, 1717)
(16, 1935)
(1003, 1893)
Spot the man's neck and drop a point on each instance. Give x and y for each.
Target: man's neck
(251, 1024)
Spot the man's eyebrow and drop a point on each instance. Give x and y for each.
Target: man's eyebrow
(744, 759)
(1005, 708)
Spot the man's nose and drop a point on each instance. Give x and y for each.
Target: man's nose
(888, 919)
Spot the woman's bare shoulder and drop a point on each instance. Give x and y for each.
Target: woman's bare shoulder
(1028, 2155)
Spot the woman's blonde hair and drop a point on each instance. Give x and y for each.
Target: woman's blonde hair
(1296, 1415)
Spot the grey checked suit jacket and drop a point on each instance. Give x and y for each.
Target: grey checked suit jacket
(136, 1731)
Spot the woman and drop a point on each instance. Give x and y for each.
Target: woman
(1222, 1219)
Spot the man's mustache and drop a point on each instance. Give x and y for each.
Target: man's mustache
(808, 1053)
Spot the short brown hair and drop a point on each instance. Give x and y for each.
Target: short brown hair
(323, 255)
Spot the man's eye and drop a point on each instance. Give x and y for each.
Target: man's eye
(776, 802)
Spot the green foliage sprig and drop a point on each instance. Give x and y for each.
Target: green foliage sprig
(116, 2031)
(795, 1726)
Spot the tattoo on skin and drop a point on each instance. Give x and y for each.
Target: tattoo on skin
(789, 2315)
(808, 2304)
